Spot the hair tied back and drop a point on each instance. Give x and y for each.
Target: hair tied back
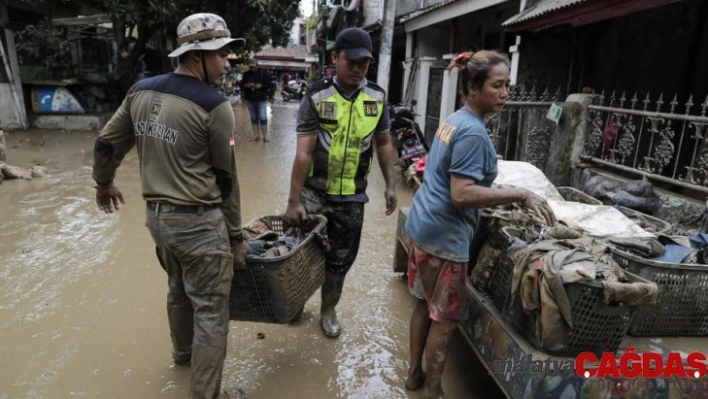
(460, 60)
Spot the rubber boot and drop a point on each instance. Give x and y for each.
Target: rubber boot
(331, 293)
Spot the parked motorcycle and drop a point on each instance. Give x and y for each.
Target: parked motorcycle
(408, 138)
(295, 90)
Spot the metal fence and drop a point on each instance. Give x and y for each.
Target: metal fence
(521, 131)
(650, 138)
(432, 112)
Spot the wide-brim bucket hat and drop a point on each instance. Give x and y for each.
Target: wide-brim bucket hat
(203, 31)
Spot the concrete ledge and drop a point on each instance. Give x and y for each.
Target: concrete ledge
(92, 122)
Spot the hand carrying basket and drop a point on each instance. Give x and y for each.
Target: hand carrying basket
(275, 290)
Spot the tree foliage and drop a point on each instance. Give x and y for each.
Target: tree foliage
(257, 21)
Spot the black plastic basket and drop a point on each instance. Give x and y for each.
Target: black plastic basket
(597, 327)
(500, 285)
(275, 290)
(649, 223)
(682, 305)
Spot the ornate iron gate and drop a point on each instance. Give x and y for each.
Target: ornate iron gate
(521, 131)
(653, 142)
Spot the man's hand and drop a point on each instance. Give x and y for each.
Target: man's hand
(240, 250)
(538, 205)
(295, 213)
(258, 86)
(108, 198)
(391, 200)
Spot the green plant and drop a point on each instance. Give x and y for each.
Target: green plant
(45, 45)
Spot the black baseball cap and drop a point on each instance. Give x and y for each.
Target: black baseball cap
(355, 42)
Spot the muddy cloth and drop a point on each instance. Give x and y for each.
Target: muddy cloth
(645, 247)
(263, 249)
(680, 249)
(528, 225)
(266, 243)
(542, 269)
(634, 294)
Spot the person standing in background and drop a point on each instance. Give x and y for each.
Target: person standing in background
(255, 85)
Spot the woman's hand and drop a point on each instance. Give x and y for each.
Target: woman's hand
(535, 203)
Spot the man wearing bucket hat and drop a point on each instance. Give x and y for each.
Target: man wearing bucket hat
(340, 124)
(183, 129)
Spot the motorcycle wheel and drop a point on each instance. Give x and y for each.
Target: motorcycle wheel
(285, 96)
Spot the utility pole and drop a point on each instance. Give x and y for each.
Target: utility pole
(389, 17)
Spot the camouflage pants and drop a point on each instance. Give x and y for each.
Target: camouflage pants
(194, 250)
(344, 223)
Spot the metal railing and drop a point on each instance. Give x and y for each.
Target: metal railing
(521, 132)
(653, 141)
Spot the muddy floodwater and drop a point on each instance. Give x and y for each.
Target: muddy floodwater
(82, 296)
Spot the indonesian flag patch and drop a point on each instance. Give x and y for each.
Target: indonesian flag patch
(232, 140)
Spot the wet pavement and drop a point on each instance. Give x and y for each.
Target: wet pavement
(82, 297)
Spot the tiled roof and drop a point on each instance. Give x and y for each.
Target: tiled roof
(283, 53)
(540, 8)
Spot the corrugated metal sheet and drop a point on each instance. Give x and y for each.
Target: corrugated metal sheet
(541, 8)
(418, 13)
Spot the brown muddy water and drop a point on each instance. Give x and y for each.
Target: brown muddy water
(82, 296)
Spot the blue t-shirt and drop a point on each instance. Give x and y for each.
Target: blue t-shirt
(462, 148)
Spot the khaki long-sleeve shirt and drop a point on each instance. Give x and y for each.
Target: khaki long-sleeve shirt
(184, 134)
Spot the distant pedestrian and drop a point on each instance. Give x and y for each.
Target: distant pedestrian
(256, 84)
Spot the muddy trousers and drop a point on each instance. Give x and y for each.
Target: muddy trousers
(344, 225)
(194, 250)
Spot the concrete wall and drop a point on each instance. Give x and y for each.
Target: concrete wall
(373, 11)
(433, 41)
(8, 111)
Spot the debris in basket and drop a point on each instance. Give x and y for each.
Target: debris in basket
(260, 335)
(268, 239)
(544, 268)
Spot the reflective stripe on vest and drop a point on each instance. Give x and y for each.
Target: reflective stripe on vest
(344, 149)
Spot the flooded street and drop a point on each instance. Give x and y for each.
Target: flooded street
(83, 298)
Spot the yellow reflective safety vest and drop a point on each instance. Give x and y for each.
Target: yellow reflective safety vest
(344, 150)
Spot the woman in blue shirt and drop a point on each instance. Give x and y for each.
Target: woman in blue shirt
(459, 172)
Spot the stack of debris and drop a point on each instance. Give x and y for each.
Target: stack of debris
(14, 172)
